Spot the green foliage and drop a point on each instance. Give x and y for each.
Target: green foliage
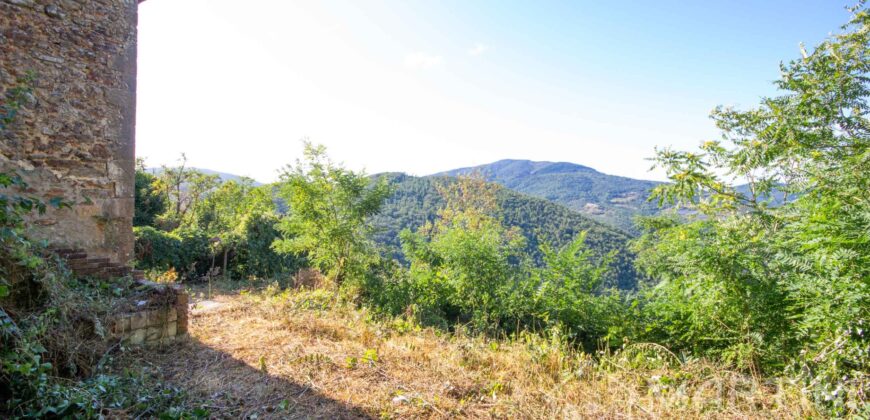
(149, 202)
(570, 295)
(15, 98)
(223, 212)
(196, 225)
(717, 295)
(41, 308)
(255, 256)
(614, 200)
(184, 189)
(16, 251)
(417, 201)
(547, 225)
(187, 251)
(329, 210)
(767, 286)
(466, 265)
(92, 397)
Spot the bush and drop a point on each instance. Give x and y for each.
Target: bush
(570, 295)
(149, 203)
(186, 251)
(255, 257)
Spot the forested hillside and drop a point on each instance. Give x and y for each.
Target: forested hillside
(614, 200)
(349, 295)
(416, 201)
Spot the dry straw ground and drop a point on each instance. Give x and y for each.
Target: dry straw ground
(299, 354)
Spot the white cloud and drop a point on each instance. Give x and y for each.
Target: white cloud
(421, 60)
(478, 49)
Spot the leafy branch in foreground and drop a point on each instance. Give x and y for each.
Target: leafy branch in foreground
(771, 287)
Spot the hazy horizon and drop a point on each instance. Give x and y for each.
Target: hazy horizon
(421, 87)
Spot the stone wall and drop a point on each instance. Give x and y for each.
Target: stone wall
(74, 138)
(158, 320)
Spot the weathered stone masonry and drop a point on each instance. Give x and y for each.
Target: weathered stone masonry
(75, 137)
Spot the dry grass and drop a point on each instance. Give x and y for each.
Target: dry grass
(297, 355)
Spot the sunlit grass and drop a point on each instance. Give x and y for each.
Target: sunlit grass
(393, 368)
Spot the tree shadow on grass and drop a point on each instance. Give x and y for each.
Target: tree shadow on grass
(230, 388)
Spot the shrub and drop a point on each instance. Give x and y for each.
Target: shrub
(570, 295)
(255, 256)
(149, 202)
(186, 251)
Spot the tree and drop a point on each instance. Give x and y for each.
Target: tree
(764, 284)
(569, 291)
(149, 202)
(184, 188)
(466, 264)
(223, 213)
(329, 207)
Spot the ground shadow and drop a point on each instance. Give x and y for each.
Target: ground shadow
(229, 388)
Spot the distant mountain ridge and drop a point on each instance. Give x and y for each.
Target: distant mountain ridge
(224, 176)
(611, 199)
(416, 200)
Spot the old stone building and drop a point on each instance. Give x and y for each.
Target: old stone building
(74, 137)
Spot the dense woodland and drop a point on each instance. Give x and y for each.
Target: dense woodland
(765, 268)
(416, 201)
(613, 200)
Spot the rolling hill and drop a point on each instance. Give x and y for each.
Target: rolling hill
(614, 200)
(223, 176)
(416, 200)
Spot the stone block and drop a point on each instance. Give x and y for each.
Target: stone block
(153, 334)
(171, 329)
(137, 337)
(121, 325)
(139, 320)
(172, 314)
(156, 317)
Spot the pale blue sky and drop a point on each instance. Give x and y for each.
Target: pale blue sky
(426, 86)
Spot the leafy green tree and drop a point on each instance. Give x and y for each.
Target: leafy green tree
(467, 265)
(255, 256)
(570, 293)
(222, 213)
(766, 285)
(149, 202)
(417, 200)
(329, 211)
(184, 188)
